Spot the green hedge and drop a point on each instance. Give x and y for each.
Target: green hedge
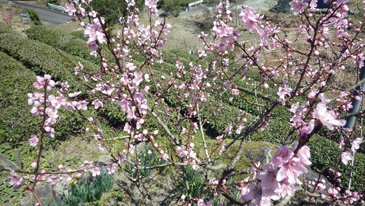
(42, 58)
(33, 15)
(66, 42)
(79, 34)
(16, 82)
(17, 122)
(5, 28)
(326, 154)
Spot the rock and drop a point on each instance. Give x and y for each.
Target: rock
(44, 192)
(262, 154)
(141, 147)
(60, 189)
(106, 159)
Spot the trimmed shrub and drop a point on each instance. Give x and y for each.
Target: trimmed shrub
(19, 123)
(33, 15)
(16, 82)
(66, 42)
(53, 2)
(42, 59)
(325, 154)
(5, 28)
(79, 34)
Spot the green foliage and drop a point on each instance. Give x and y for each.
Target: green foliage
(112, 10)
(171, 7)
(193, 180)
(56, 2)
(79, 34)
(16, 82)
(5, 28)
(87, 191)
(33, 15)
(182, 3)
(42, 59)
(325, 154)
(146, 160)
(8, 194)
(66, 42)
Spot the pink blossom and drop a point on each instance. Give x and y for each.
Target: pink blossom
(82, 105)
(200, 202)
(54, 179)
(355, 145)
(97, 103)
(34, 164)
(291, 170)
(70, 9)
(255, 192)
(304, 154)
(15, 181)
(268, 177)
(42, 81)
(111, 168)
(282, 155)
(344, 94)
(298, 6)
(307, 129)
(228, 129)
(346, 157)
(81, 10)
(95, 171)
(282, 92)
(130, 66)
(327, 118)
(332, 191)
(69, 179)
(344, 8)
(235, 92)
(33, 141)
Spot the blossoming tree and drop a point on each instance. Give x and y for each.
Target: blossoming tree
(301, 82)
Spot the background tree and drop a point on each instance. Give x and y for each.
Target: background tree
(112, 10)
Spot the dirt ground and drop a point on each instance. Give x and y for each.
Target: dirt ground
(17, 24)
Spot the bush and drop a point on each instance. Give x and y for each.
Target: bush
(87, 191)
(33, 15)
(42, 58)
(79, 34)
(66, 42)
(171, 7)
(16, 82)
(56, 2)
(5, 28)
(77, 47)
(113, 9)
(146, 160)
(325, 154)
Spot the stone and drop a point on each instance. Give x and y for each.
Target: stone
(106, 159)
(262, 154)
(44, 193)
(61, 188)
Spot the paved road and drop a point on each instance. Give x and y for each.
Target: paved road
(48, 17)
(257, 4)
